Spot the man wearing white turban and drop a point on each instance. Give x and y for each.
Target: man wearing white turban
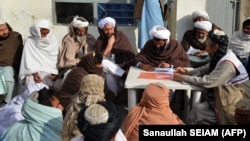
(11, 47)
(195, 45)
(161, 51)
(200, 15)
(75, 44)
(197, 16)
(40, 56)
(117, 53)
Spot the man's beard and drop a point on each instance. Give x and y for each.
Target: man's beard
(4, 37)
(81, 39)
(201, 40)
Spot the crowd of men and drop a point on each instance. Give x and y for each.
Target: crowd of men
(86, 72)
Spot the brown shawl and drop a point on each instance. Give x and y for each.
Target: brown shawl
(11, 50)
(71, 84)
(174, 54)
(122, 49)
(153, 109)
(189, 39)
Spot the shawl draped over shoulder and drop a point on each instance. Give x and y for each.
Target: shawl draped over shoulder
(122, 49)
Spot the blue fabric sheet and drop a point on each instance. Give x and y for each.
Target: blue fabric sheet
(151, 16)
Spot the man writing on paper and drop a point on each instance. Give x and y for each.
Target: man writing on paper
(194, 42)
(161, 51)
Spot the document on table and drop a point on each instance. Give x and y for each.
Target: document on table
(170, 70)
(156, 75)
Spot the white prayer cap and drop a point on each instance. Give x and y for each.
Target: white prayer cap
(204, 25)
(78, 23)
(107, 20)
(2, 21)
(96, 114)
(200, 13)
(159, 32)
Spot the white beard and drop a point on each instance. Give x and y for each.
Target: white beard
(201, 40)
(81, 39)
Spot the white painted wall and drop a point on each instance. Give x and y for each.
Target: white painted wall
(184, 12)
(21, 14)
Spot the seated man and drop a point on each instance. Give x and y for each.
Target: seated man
(101, 122)
(91, 63)
(42, 121)
(92, 90)
(161, 51)
(11, 112)
(40, 56)
(117, 53)
(224, 68)
(194, 42)
(197, 16)
(75, 44)
(11, 44)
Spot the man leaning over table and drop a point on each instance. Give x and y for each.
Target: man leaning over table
(161, 51)
(224, 68)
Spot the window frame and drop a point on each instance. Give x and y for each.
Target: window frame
(95, 7)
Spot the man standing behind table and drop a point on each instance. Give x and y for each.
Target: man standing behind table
(161, 51)
(117, 53)
(11, 47)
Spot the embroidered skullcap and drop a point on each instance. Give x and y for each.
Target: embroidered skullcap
(2, 21)
(106, 20)
(96, 114)
(159, 32)
(78, 23)
(204, 25)
(200, 13)
(219, 37)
